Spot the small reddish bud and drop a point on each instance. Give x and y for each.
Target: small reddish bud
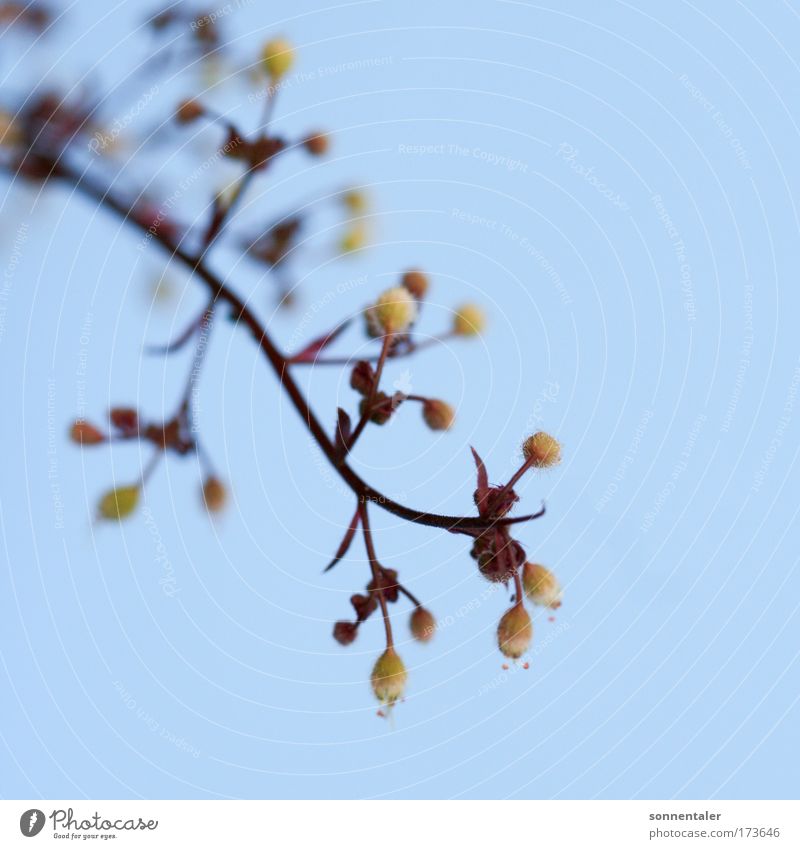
(389, 678)
(469, 320)
(417, 283)
(541, 586)
(515, 632)
(542, 450)
(124, 418)
(422, 624)
(317, 144)
(345, 632)
(86, 434)
(438, 415)
(362, 377)
(215, 495)
(118, 503)
(189, 111)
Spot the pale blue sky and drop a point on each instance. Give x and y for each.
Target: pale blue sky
(616, 182)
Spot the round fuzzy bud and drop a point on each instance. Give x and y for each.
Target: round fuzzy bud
(86, 434)
(355, 200)
(541, 586)
(469, 320)
(317, 144)
(542, 450)
(438, 415)
(422, 624)
(395, 310)
(215, 495)
(515, 632)
(417, 283)
(277, 57)
(345, 632)
(189, 110)
(118, 503)
(354, 239)
(389, 677)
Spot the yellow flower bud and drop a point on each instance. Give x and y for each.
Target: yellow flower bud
(541, 586)
(438, 415)
(515, 632)
(422, 624)
(469, 320)
(542, 450)
(118, 503)
(389, 677)
(277, 57)
(354, 239)
(394, 311)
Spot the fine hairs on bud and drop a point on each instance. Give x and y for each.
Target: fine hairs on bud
(542, 450)
(515, 632)
(469, 320)
(541, 586)
(394, 311)
(389, 677)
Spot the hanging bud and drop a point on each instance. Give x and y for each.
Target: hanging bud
(469, 320)
(189, 111)
(515, 632)
(215, 495)
(541, 586)
(86, 434)
(277, 58)
(422, 624)
(542, 450)
(362, 377)
(389, 677)
(118, 503)
(317, 144)
(438, 415)
(345, 632)
(417, 283)
(394, 311)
